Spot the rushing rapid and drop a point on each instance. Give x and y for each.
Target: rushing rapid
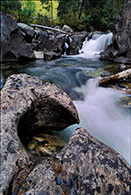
(96, 45)
(99, 108)
(101, 114)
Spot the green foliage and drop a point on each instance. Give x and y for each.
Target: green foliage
(12, 7)
(28, 11)
(43, 20)
(78, 14)
(101, 14)
(48, 5)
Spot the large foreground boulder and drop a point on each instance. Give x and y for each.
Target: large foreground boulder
(83, 166)
(120, 49)
(13, 45)
(29, 106)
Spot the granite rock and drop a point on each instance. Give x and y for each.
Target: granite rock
(84, 166)
(29, 106)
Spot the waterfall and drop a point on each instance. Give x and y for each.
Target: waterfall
(96, 45)
(102, 116)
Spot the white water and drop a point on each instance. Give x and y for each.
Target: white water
(100, 112)
(96, 45)
(103, 118)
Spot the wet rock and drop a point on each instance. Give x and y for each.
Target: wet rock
(28, 106)
(75, 42)
(120, 49)
(53, 47)
(84, 166)
(51, 55)
(45, 144)
(13, 45)
(28, 31)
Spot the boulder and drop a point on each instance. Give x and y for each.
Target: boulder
(53, 46)
(67, 29)
(29, 106)
(120, 49)
(28, 31)
(84, 166)
(41, 37)
(13, 45)
(51, 55)
(75, 42)
(32, 106)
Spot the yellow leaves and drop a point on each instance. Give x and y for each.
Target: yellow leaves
(44, 12)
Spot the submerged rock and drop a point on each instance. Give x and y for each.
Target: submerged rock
(13, 45)
(45, 144)
(29, 106)
(120, 49)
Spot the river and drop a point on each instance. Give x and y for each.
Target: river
(100, 109)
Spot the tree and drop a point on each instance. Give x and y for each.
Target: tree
(81, 14)
(12, 7)
(28, 11)
(48, 5)
(81, 8)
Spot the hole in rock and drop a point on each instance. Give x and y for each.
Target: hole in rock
(38, 128)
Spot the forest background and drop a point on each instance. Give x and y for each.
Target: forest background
(78, 14)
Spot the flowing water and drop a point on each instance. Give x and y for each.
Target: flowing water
(97, 44)
(99, 108)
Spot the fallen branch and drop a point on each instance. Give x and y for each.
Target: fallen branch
(48, 28)
(115, 77)
(122, 90)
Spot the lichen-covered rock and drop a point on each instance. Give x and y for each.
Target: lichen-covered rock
(120, 49)
(13, 45)
(29, 106)
(84, 166)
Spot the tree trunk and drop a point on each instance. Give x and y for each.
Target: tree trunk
(82, 3)
(48, 28)
(114, 78)
(52, 12)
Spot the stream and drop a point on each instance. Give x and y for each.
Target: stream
(100, 109)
